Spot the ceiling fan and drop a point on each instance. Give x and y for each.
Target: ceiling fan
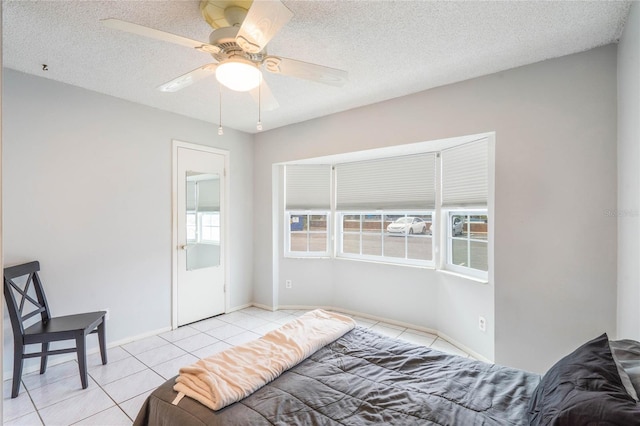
(242, 29)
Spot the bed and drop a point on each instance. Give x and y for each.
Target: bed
(363, 378)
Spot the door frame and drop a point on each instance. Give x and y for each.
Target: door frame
(224, 223)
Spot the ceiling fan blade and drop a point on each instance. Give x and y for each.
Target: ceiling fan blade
(158, 35)
(263, 21)
(267, 101)
(189, 78)
(299, 69)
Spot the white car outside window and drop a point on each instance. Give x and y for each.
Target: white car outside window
(407, 225)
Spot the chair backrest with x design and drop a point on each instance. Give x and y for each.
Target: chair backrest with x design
(18, 297)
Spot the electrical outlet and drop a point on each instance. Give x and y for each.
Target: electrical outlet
(287, 283)
(106, 317)
(482, 324)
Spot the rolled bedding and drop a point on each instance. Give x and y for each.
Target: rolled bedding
(229, 376)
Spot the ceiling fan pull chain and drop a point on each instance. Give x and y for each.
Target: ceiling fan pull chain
(259, 125)
(220, 131)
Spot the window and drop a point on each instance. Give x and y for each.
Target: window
(385, 209)
(203, 227)
(210, 225)
(395, 237)
(424, 209)
(308, 204)
(467, 242)
(465, 184)
(203, 208)
(308, 233)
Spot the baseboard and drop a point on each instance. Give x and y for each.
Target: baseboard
(465, 348)
(300, 307)
(239, 307)
(265, 307)
(136, 337)
(454, 342)
(366, 316)
(59, 359)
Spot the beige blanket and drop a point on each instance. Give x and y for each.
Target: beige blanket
(231, 375)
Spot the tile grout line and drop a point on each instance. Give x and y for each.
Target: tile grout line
(52, 383)
(32, 402)
(117, 404)
(106, 393)
(110, 397)
(108, 408)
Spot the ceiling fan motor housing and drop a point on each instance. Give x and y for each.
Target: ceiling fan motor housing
(225, 39)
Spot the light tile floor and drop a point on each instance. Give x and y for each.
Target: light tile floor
(117, 390)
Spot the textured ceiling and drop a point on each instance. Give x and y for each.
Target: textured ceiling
(389, 48)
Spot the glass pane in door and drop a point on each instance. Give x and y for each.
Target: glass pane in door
(203, 220)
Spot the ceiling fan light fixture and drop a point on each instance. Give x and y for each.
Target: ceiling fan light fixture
(239, 75)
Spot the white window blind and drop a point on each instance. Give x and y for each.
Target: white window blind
(389, 183)
(209, 195)
(206, 191)
(465, 175)
(308, 186)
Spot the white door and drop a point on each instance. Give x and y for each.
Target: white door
(199, 254)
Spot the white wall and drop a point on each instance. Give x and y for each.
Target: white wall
(629, 178)
(80, 167)
(1, 262)
(555, 250)
(87, 192)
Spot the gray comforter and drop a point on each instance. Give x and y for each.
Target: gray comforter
(362, 379)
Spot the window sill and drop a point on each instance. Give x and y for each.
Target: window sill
(467, 277)
(293, 256)
(381, 262)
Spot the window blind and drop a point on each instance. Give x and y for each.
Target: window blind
(389, 183)
(209, 195)
(207, 192)
(308, 186)
(465, 175)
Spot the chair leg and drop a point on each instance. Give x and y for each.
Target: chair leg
(82, 358)
(102, 339)
(43, 358)
(18, 350)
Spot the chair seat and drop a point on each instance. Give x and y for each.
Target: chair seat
(65, 325)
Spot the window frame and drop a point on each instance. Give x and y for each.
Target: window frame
(288, 253)
(440, 229)
(449, 213)
(199, 227)
(340, 253)
(202, 226)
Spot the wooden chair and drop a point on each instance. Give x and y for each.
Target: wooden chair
(47, 329)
